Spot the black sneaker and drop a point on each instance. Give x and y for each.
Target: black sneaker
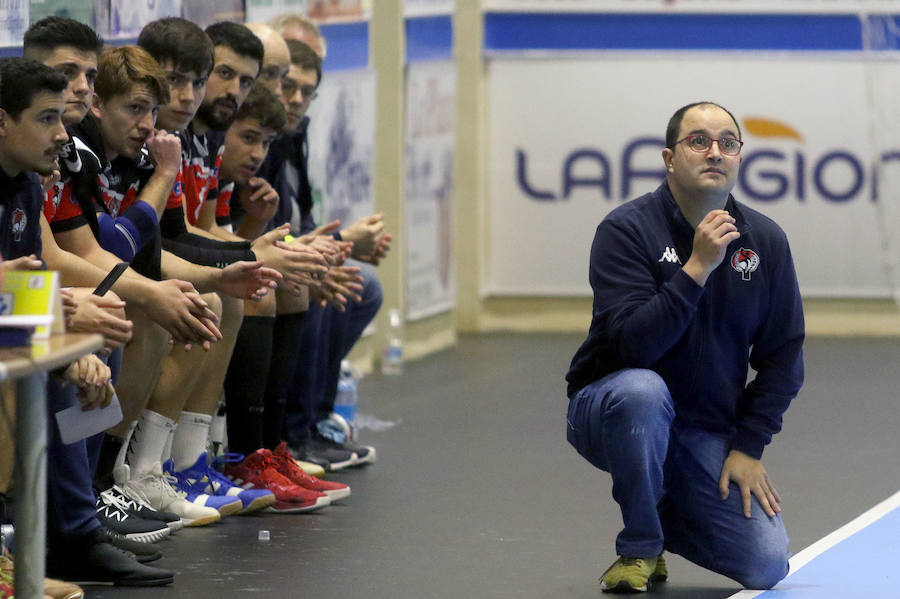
(365, 454)
(90, 560)
(336, 436)
(138, 508)
(112, 515)
(325, 453)
(143, 552)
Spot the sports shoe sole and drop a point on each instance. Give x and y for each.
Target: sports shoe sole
(623, 587)
(351, 461)
(202, 520)
(149, 537)
(311, 469)
(151, 582)
(286, 507)
(336, 494)
(175, 525)
(260, 503)
(369, 459)
(235, 507)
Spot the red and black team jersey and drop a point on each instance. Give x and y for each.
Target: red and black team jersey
(62, 208)
(223, 204)
(201, 158)
(94, 191)
(123, 180)
(117, 184)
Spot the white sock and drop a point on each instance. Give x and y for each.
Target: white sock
(190, 439)
(167, 448)
(123, 451)
(148, 441)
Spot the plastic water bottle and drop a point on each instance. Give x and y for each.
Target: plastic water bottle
(8, 537)
(347, 396)
(392, 359)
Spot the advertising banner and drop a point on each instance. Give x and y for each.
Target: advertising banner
(80, 10)
(128, 17)
(709, 6)
(260, 11)
(338, 10)
(205, 13)
(13, 22)
(430, 135)
(428, 8)
(341, 147)
(571, 139)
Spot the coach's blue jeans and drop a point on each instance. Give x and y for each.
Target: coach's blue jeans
(70, 495)
(666, 478)
(326, 339)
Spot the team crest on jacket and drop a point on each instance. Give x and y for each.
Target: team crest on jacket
(19, 222)
(745, 262)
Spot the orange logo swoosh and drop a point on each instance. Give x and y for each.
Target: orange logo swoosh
(769, 128)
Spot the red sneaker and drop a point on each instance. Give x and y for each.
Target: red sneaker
(259, 471)
(286, 465)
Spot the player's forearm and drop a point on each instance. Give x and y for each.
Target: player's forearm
(157, 190)
(251, 228)
(204, 278)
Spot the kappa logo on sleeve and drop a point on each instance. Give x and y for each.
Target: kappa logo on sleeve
(745, 262)
(670, 255)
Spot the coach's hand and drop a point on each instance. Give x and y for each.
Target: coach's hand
(750, 476)
(711, 240)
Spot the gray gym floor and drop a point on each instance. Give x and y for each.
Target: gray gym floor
(476, 493)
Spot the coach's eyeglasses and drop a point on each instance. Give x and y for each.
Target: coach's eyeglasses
(702, 143)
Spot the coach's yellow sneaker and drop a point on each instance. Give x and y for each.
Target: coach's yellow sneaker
(633, 574)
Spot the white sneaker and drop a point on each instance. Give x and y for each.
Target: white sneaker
(136, 504)
(155, 488)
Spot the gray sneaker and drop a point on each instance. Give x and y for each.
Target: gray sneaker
(156, 489)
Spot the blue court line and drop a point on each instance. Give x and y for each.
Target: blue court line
(854, 561)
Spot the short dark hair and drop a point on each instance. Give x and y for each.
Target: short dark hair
(674, 125)
(262, 105)
(238, 38)
(21, 79)
(52, 32)
(180, 42)
(304, 57)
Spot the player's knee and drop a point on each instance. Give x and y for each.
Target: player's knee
(232, 311)
(372, 293)
(214, 302)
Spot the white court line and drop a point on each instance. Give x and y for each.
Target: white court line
(827, 542)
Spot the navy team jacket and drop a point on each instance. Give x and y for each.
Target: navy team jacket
(20, 215)
(649, 314)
